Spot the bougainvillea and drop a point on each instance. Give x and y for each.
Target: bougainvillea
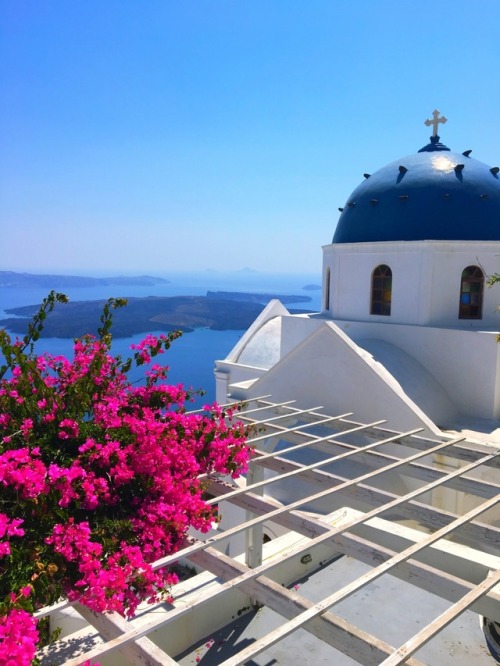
(99, 477)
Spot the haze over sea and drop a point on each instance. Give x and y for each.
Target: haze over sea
(191, 358)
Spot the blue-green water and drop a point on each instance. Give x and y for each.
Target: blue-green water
(191, 358)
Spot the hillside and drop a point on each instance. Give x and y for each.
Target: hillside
(143, 315)
(32, 280)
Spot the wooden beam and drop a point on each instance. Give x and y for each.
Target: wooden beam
(336, 458)
(376, 460)
(332, 629)
(268, 422)
(418, 640)
(299, 612)
(432, 517)
(138, 632)
(459, 451)
(444, 478)
(280, 432)
(424, 576)
(292, 625)
(463, 451)
(142, 651)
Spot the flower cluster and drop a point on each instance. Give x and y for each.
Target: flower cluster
(98, 477)
(18, 638)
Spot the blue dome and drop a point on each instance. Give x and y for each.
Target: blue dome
(436, 194)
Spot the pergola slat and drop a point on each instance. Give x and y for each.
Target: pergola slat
(364, 535)
(332, 629)
(416, 642)
(288, 627)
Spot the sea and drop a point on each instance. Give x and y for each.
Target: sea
(192, 357)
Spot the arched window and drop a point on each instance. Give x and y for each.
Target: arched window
(471, 293)
(381, 290)
(327, 290)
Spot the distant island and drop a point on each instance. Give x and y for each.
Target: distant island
(243, 296)
(217, 310)
(312, 287)
(30, 280)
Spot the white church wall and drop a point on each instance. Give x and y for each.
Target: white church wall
(426, 281)
(222, 377)
(295, 330)
(444, 294)
(414, 378)
(449, 260)
(230, 370)
(496, 397)
(466, 363)
(327, 369)
(264, 348)
(351, 267)
(228, 373)
(273, 309)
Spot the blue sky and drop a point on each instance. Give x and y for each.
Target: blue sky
(153, 136)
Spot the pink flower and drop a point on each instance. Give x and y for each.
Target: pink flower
(26, 427)
(99, 510)
(69, 429)
(21, 469)
(18, 638)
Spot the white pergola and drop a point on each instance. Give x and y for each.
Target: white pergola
(410, 534)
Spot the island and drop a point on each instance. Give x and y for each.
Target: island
(243, 296)
(217, 311)
(31, 280)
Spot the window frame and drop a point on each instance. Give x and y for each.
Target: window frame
(466, 297)
(327, 289)
(381, 285)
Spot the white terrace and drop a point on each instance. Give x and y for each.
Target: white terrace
(384, 550)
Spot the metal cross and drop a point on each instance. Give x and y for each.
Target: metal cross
(435, 121)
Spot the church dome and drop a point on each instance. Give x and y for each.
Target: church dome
(435, 194)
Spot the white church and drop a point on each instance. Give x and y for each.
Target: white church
(408, 327)
(367, 530)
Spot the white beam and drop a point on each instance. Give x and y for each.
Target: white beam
(332, 629)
